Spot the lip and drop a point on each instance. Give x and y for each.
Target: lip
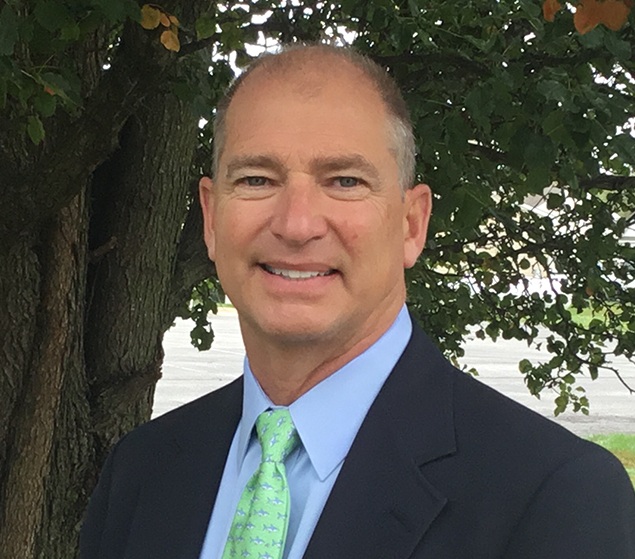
(285, 286)
(317, 267)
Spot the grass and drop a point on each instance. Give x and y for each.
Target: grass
(623, 446)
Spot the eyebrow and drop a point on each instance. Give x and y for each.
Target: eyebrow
(254, 161)
(318, 165)
(335, 164)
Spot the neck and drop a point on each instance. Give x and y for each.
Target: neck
(302, 371)
(287, 371)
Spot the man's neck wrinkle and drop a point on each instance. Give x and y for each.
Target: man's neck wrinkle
(286, 379)
(287, 375)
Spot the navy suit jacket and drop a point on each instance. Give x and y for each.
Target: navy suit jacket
(443, 467)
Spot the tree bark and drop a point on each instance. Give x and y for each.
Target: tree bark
(140, 199)
(86, 292)
(55, 350)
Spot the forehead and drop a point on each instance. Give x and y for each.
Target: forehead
(307, 75)
(325, 99)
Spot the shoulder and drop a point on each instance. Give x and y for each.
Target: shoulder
(511, 476)
(498, 437)
(207, 418)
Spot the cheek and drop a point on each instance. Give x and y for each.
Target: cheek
(365, 227)
(232, 225)
(239, 233)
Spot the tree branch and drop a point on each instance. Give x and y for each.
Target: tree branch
(609, 182)
(192, 262)
(65, 165)
(425, 60)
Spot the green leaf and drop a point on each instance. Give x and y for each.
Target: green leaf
(593, 39)
(55, 82)
(414, 8)
(52, 15)
(554, 201)
(524, 366)
(205, 26)
(70, 32)
(457, 131)
(553, 90)
(45, 104)
(537, 178)
(119, 10)
(618, 48)
(8, 30)
(554, 127)
(539, 151)
(561, 403)
(468, 211)
(480, 104)
(35, 129)
(202, 337)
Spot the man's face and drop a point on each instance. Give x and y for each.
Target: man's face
(306, 222)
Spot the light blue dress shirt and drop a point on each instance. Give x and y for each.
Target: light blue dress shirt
(327, 418)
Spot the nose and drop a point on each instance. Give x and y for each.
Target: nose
(298, 215)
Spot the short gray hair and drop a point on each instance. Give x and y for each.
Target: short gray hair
(398, 113)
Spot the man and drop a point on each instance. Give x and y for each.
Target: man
(311, 219)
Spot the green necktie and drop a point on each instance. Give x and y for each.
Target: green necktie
(259, 528)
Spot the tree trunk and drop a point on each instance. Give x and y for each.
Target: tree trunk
(54, 303)
(86, 300)
(97, 254)
(140, 199)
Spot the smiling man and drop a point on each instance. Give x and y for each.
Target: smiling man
(349, 435)
(307, 222)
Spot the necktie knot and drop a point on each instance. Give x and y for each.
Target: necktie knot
(277, 434)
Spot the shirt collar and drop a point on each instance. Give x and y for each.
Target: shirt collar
(329, 415)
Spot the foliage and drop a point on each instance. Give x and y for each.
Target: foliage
(153, 17)
(205, 299)
(511, 111)
(33, 92)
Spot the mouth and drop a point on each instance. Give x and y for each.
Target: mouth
(296, 274)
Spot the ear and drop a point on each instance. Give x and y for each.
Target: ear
(417, 210)
(206, 194)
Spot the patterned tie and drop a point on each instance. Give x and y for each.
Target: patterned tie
(259, 528)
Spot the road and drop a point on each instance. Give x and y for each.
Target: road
(188, 373)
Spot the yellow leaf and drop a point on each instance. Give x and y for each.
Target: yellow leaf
(174, 20)
(615, 13)
(150, 17)
(586, 16)
(550, 8)
(165, 20)
(170, 40)
(612, 13)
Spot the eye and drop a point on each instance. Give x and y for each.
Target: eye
(255, 181)
(347, 182)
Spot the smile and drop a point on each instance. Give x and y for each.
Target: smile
(296, 274)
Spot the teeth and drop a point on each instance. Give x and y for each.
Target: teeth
(294, 274)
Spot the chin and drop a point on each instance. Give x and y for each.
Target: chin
(296, 330)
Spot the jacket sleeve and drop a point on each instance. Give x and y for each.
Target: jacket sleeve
(584, 510)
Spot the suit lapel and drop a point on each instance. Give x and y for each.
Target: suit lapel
(381, 504)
